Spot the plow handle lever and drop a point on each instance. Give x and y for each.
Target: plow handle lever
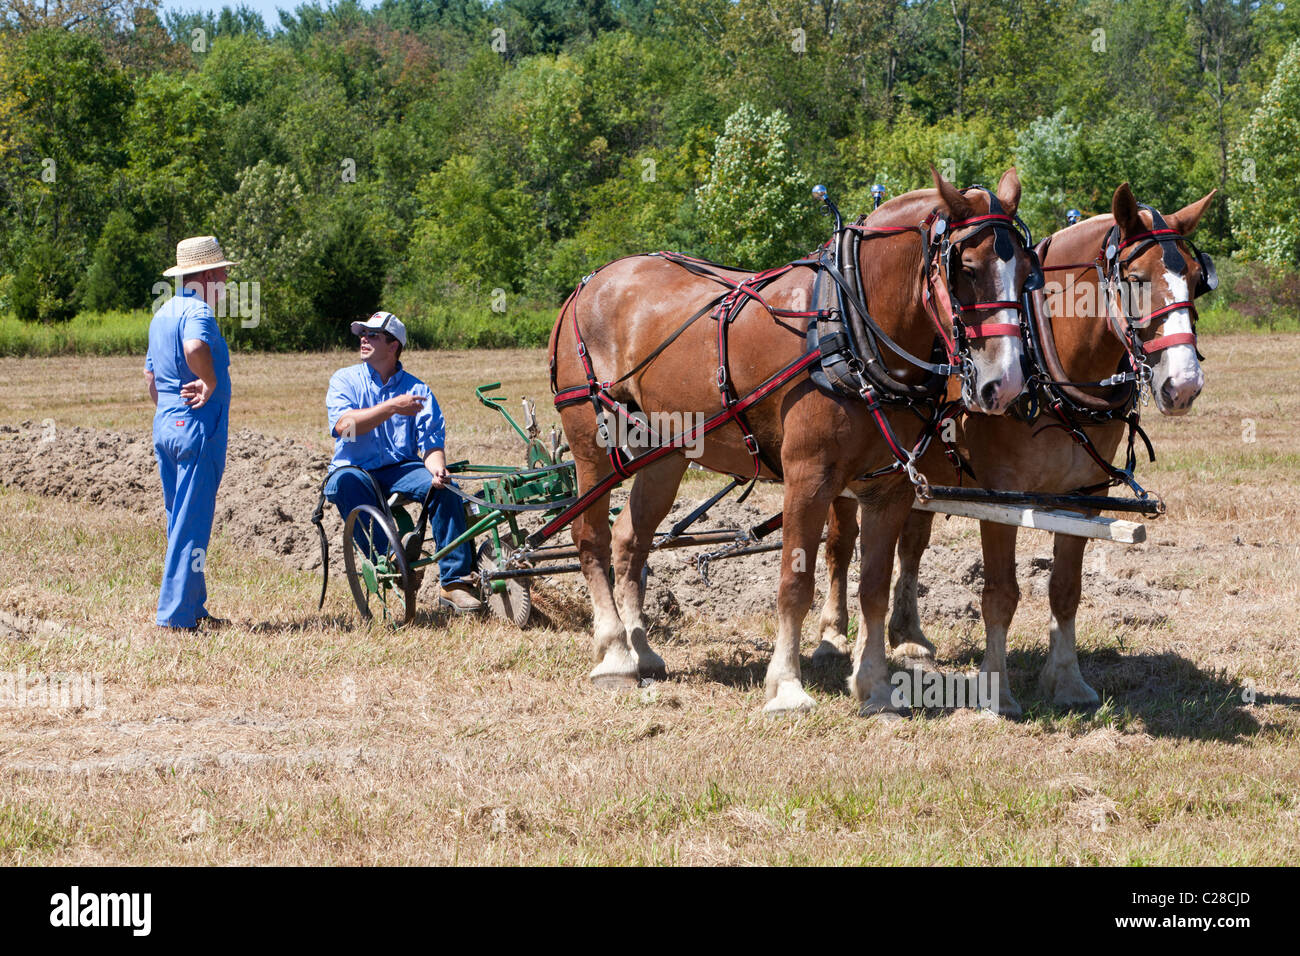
(499, 405)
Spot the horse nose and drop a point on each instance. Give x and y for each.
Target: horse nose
(989, 394)
(1180, 394)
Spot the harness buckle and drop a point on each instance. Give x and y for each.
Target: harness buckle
(721, 377)
(869, 396)
(751, 444)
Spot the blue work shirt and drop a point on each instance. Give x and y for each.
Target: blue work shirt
(184, 317)
(401, 438)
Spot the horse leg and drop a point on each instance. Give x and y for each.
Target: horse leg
(616, 664)
(806, 507)
(1060, 676)
(841, 536)
(905, 634)
(653, 492)
(869, 682)
(1001, 595)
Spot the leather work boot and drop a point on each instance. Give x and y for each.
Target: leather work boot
(460, 598)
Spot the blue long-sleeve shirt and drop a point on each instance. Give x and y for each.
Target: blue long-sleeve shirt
(401, 438)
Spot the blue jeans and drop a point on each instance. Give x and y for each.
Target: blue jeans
(346, 489)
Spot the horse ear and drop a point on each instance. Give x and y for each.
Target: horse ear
(1185, 220)
(957, 205)
(1125, 209)
(1008, 191)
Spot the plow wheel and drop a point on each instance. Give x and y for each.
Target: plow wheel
(378, 573)
(513, 604)
(537, 456)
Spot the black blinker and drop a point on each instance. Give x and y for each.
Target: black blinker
(1034, 282)
(1168, 244)
(1209, 280)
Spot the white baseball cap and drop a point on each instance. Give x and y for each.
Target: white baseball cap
(384, 322)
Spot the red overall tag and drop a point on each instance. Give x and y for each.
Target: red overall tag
(180, 423)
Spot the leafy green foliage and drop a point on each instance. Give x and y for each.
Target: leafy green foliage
(754, 206)
(1265, 214)
(122, 269)
(432, 156)
(45, 286)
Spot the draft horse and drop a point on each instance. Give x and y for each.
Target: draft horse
(1120, 319)
(945, 283)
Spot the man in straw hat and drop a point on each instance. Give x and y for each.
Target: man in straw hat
(188, 371)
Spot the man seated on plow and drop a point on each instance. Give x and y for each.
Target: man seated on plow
(386, 421)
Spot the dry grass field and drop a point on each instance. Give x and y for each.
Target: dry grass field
(303, 737)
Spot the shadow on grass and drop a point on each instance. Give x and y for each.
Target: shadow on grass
(1164, 695)
(1166, 692)
(745, 670)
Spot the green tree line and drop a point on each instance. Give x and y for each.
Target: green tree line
(456, 157)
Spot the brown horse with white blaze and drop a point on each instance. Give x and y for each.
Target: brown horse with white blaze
(817, 442)
(1090, 330)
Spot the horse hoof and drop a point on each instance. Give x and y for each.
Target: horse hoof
(830, 649)
(650, 666)
(1068, 691)
(790, 698)
(883, 710)
(1078, 700)
(1009, 708)
(915, 651)
(615, 681)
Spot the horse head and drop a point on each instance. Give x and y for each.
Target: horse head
(986, 255)
(1147, 253)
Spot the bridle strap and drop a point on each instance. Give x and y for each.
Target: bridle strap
(1169, 341)
(1166, 309)
(1151, 234)
(992, 329)
(975, 220)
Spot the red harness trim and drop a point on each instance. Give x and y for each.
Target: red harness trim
(571, 396)
(1166, 309)
(602, 487)
(1169, 341)
(998, 216)
(1149, 234)
(991, 329)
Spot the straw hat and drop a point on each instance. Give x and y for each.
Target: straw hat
(198, 254)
